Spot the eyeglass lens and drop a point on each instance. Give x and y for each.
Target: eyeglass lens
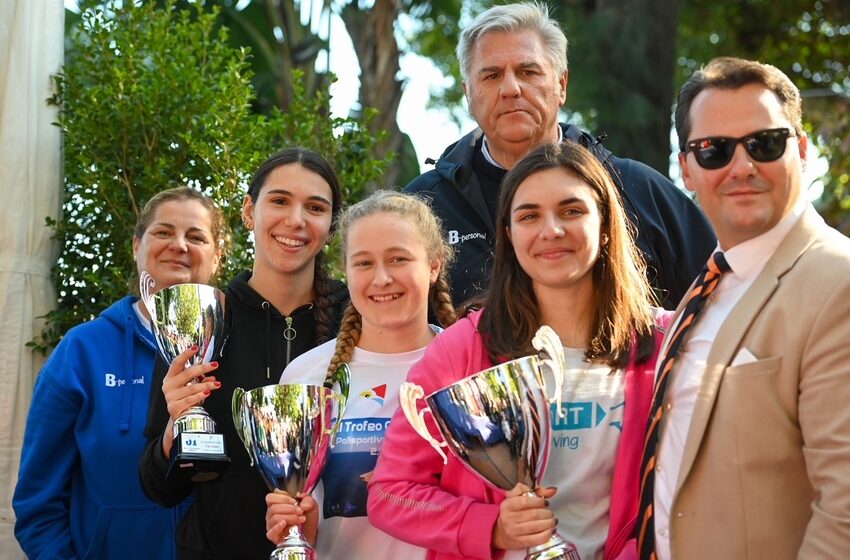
(714, 152)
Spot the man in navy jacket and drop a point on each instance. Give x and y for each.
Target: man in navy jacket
(514, 64)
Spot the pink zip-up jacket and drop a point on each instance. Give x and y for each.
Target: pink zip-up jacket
(413, 496)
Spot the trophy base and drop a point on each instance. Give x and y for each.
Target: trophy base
(199, 468)
(196, 450)
(556, 548)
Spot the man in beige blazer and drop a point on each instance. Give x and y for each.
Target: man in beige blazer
(754, 447)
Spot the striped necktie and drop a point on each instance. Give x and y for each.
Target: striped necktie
(705, 285)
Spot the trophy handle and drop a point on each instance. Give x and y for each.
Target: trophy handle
(409, 394)
(334, 430)
(146, 285)
(341, 377)
(547, 342)
(242, 428)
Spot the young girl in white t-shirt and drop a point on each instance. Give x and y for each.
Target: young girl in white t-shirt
(395, 262)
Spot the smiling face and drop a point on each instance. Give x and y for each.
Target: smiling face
(178, 245)
(744, 198)
(389, 273)
(291, 220)
(555, 230)
(514, 93)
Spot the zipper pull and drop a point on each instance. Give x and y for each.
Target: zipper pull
(289, 334)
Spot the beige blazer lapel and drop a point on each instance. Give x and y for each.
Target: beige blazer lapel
(735, 328)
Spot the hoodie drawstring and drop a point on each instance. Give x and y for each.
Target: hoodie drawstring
(127, 389)
(266, 306)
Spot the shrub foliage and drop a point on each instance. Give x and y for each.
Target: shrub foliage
(152, 98)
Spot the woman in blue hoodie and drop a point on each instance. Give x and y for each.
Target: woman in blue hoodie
(78, 493)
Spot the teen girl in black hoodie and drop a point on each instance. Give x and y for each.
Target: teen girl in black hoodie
(286, 305)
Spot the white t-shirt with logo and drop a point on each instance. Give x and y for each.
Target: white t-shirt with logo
(344, 529)
(583, 451)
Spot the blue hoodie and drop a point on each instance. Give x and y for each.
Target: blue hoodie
(78, 492)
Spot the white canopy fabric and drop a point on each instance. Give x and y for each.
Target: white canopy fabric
(31, 50)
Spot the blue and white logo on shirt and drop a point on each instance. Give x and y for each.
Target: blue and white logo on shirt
(350, 465)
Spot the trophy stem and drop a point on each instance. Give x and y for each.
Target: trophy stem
(556, 548)
(294, 547)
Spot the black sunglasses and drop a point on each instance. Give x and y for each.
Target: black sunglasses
(714, 152)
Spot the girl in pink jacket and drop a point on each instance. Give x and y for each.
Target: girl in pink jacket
(564, 258)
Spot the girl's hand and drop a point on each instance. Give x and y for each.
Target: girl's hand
(283, 511)
(181, 394)
(524, 521)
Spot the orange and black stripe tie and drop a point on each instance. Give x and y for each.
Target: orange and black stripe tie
(705, 285)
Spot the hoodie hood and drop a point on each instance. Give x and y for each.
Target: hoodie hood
(248, 297)
(123, 316)
(284, 336)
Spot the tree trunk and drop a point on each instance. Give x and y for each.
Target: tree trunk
(372, 33)
(628, 47)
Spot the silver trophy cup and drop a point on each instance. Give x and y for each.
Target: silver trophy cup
(288, 431)
(496, 422)
(184, 315)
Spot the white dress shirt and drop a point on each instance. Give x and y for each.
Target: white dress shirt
(747, 260)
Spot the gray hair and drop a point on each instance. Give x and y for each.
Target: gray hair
(513, 18)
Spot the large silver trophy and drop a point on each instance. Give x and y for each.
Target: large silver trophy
(288, 431)
(184, 315)
(496, 422)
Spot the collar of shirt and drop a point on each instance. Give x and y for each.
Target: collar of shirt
(486, 150)
(747, 259)
(142, 319)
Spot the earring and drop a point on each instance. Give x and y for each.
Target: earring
(604, 239)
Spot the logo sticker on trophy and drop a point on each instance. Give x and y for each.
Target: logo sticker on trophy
(288, 431)
(184, 315)
(496, 423)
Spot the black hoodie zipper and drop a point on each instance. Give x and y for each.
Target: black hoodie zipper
(289, 335)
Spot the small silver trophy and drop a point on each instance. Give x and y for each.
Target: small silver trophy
(288, 431)
(496, 422)
(184, 315)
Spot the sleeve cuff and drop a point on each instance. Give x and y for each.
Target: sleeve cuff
(160, 461)
(475, 538)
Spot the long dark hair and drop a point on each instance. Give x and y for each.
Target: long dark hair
(322, 283)
(623, 297)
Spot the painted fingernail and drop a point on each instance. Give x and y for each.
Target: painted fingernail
(194, 347)
(217, 384)
(214, 364)
(206, 393)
